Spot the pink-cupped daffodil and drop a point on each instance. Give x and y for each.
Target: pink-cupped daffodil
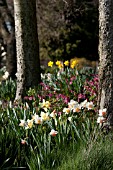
(23, 141)
(89, 105)
(103, 112)
(53, 132)
(77, 109)
(101, 120)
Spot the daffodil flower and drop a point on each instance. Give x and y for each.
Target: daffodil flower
(70, 119)
(101, 120)
(103, 112)
(22, 123)
(73, 63)
(29, 124)
(46, 104)
(53, 132)
(6, 75)
(44, 116)
(66, 63)
(84, 103)
(77, 109)
(50, 63)
(23, 141)
(58, 62)
(66, 110)
(90, 105)
(53, 114)
(72, 104)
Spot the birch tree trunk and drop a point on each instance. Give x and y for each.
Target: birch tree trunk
(105, 97)
(28, 63)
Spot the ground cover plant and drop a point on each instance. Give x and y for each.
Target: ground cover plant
(58, 116)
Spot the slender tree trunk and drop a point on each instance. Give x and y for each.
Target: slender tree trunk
(105, 97)
(28, 64)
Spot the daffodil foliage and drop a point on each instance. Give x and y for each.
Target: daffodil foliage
(62, 111)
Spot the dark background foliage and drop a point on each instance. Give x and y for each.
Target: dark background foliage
(66, 29)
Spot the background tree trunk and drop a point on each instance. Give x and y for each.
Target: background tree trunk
(105, 97)
(7, 33)
(28, 64)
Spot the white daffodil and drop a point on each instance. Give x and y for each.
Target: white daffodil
(6, 75)
(84, 103)
(22, 123)
(45, 104)
(45, 116)
(38, 120)
(66, 110)
(29, 124)
(53, 114)
(72, 104)
(70, 119)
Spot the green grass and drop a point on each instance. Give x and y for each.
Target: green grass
(96, 156)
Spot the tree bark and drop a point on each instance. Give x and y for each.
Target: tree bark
(28, 63)
(105, 97)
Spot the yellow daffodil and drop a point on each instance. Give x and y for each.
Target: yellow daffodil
(58, 63)
(73, 63)
(66, 63)
(60, 66)
(50, 63)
